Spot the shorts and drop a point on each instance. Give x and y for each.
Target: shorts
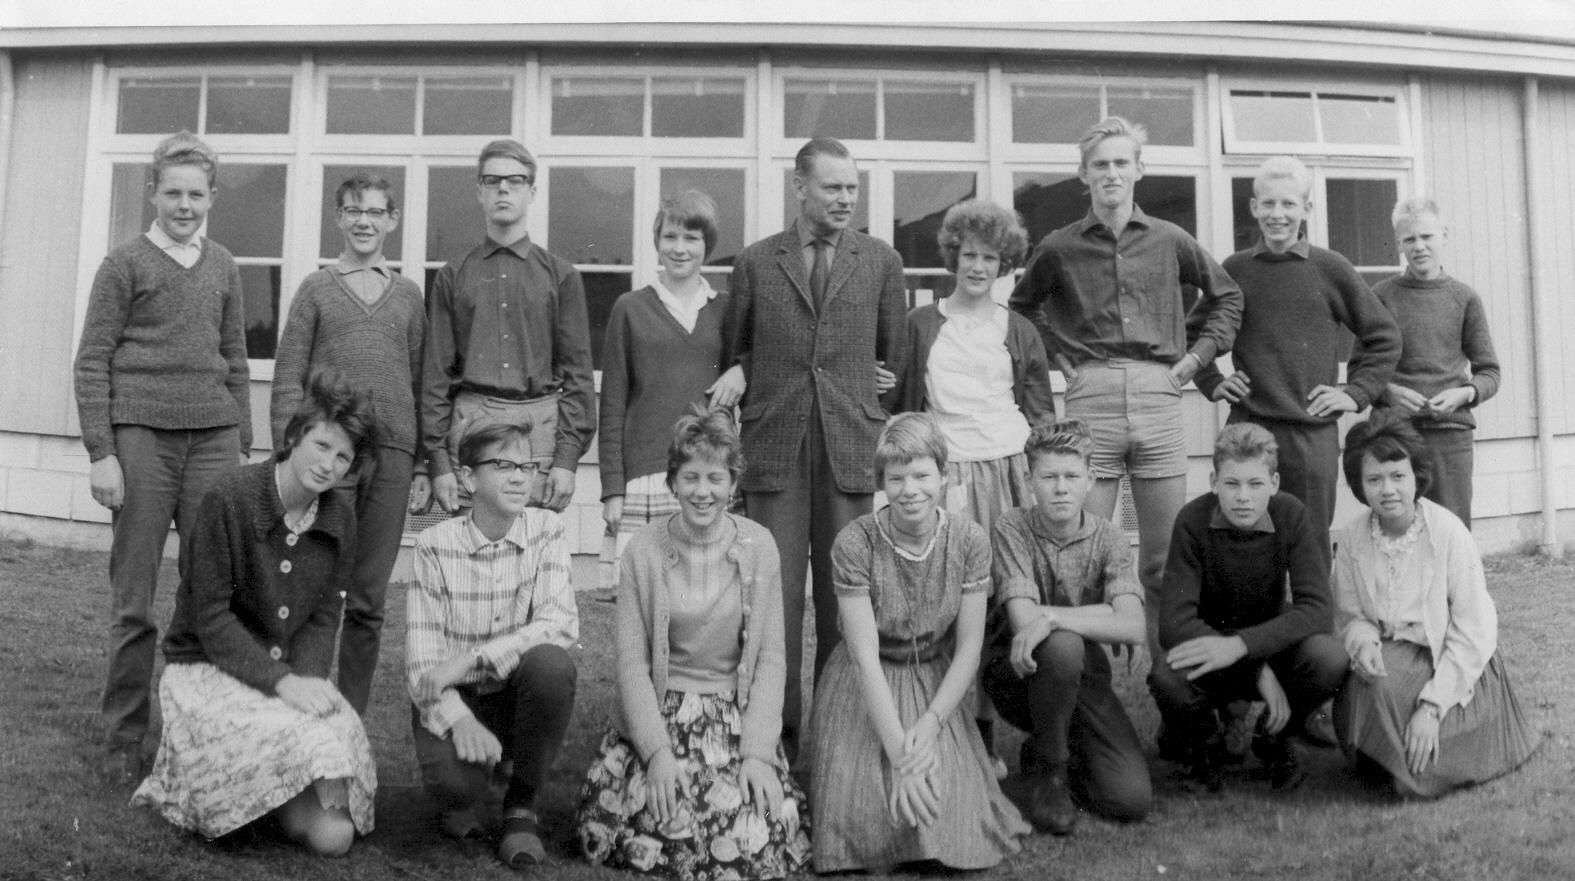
(473, 411)
(1133, 410)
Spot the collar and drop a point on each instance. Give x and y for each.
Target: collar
(473, 539)
(1302, 249)
(1217, 521)
(805, 237)
(380, 266)
(666, 295)
(159, 237)
(331, 520)
(520, 247)
(1041, 528)
(1408, 277)
(1091, 221)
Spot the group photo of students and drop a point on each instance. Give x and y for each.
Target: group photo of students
(799, 444)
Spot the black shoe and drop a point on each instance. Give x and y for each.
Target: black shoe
(1172, 746)
(1318, 729)
(1050, 806)
(122, 764)
(1207, 761)
(1280, 760)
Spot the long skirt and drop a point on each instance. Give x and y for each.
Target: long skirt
(1486, 738)
(851, 780)
(715, 834)
(983, 491)
(230, 754)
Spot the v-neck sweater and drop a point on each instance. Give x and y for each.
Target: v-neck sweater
(377, 346)
(652, 373)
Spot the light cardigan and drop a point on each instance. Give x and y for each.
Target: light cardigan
(643, 619)
(1458, 616)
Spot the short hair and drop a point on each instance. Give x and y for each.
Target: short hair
(1069, 437)
(507, 148)
(988, 222)
(473, 443)
(1244, 442)
(907, 438)
(359, 183)
(708, 434)
(689, 209)
(804, 161)
(331, 399)
(1387, 443)
(183, 148)
(1112, 127)
(1284, 168)
(1409, 210)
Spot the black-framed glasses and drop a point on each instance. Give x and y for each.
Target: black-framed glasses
(494, 181)
(369, 213)
(509, 466)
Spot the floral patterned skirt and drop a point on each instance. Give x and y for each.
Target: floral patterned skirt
(716, 835)
(230, 754)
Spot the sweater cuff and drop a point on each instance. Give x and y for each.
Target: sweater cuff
(1362, 399)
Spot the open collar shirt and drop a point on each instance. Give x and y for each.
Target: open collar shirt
(185, 253)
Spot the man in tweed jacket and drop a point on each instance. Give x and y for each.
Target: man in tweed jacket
(817, 321)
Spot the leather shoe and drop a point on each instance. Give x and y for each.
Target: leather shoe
(1050, 805)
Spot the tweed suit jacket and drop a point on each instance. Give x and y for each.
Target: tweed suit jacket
(795, 358)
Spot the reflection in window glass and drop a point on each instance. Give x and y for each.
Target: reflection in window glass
(725, 186)
(1359, 220)
(919, 203)
(158, 106)
(249, 217)
(371, 105)
(598, 106)
(454, 221)
(1167, 112)
(601, 290)
(1244, 229)
(1273, 116)
(468, 106)
(1052, 114)
(1359, 119)
(861, 211)
(1169, 198)
(1047, 201)
(696, 107)
(928, 111)
(130, 213)
(590, 213)
(260, 283)
(842, 109)
(332, 243)
(248, 105)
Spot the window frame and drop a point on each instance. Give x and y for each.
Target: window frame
(645, 144)
(415, 143)
(1164, 154)
(880, 148)
(1397, 91)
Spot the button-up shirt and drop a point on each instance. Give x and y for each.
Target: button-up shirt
(185, 253)
(1097, 295)
(367, 282)
(496, 599)
(1093, 566)
(508, 321)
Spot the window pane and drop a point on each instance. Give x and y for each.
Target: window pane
(130, 213)
(725, 186)
(454, 221)
(1169, 198)
(919, 202)
(260, 285)
(1047, 201)
(468, 106)
(1166, 112)
(719, 280)
(249, 105)
(591, 214)
(605, 107)
(925, 288)
(601, 290)
(371, 105)
(331, 241)
(248, 214)
(1244, 228)
(1359, 220)
(1359, 119)
(861, 211)
(1273, 116)
(697, 108)
(837, 108)
(928, 111)
(158, 106)
(1052, 114)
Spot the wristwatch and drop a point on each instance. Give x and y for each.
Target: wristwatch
(1430, 708)
(480, 659)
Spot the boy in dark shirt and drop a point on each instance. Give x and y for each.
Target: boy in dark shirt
(1225, 627)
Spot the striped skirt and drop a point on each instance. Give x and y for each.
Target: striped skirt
(645, 500)
(1484, 739)
(983, 491)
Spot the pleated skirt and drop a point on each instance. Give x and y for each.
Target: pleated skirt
(983, 491)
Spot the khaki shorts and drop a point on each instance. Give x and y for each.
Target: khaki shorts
(473, 411)
(1133, 410)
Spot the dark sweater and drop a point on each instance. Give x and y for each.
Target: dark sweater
(1221, 581)
(652, 373)
(1290, 340)
(162, 346)
(1445, 342)
(377, 347)
(1030, 367)
(251, 603)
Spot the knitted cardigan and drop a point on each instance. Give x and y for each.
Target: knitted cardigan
(1030, 367)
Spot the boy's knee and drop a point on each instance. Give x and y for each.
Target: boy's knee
(1324, 662)
(546, 674)
(1061, 655)
(331, 834)
(1127, 802)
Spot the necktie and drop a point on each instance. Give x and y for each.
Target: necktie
(818, 274)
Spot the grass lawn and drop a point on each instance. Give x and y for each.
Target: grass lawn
(57, 821)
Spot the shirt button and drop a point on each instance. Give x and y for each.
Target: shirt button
(291, 539)
(284, 611)
(285, 567)
(276, 653)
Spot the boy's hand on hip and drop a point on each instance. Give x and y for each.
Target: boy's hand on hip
(1234, 389)
(1326, 400)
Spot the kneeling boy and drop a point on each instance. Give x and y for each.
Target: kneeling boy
(1227, 632)
(490, 621)
(1065, 578)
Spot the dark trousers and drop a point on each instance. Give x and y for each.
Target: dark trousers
(1452, 450)
(382, 493)
(1076, 721)
(1309, 467)
(166, 474)
(1310, 672)
(804, 519)
(529, 714)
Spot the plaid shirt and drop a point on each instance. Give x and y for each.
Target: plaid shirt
(496, 599)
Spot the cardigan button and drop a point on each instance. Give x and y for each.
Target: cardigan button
(276, 653)
(284, 612)
(285, 567)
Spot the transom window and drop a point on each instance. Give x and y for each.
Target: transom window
(205, 104)
(1058, 112)
(637, 106)
(879, 108)
(362, 104)
(1329, 121)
